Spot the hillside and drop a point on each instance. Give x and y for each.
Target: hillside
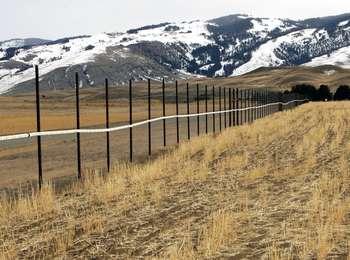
(227, 46)
(276, 189)
(287, 77)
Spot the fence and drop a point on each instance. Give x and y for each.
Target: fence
(229, 107)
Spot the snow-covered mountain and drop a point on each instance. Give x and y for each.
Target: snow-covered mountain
(226, 46)
(19, 43)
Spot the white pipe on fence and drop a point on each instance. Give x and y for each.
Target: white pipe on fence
(123, 127)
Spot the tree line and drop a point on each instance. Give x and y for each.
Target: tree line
(322, 93)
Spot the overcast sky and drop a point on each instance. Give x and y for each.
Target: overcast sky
(54, 19)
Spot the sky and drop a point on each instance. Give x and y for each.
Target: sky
(53, 19)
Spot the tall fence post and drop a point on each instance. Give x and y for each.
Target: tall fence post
(254, 104)
(236, 105)
(164, 123)
(197, 90)
(263, 103)
(230, 107)
(259, 103)
(206, 109)
(240, 107)
(188, 112)
(107, 126)
(245, 107)
(149, 118)
(214, 110)
(177, 113)
(249, 106)
(38, 127)
(233, 107)
(220, 109)
(130, 122)
(78, 122)
(225, 114)
(280, 100)
(266, 102)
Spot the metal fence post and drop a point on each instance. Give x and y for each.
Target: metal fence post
(220, 109)
(206, 109)
(214, 110)
(267, 102)
(188, 112)
(164, 123)
(149, 118)
(230, 107)
(254, 104)
(177, 113)
(237, 106)
(197, 88)
(78, 123)
(245, 106)
(259, 102)
(130, 122)
(107, 126)
(225, 114)
(233, 107)
(248, 106)
(38, 127)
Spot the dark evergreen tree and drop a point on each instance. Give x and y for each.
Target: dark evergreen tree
(342, 93)
(324, 93)
(307, 91)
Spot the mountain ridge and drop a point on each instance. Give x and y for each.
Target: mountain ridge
(226, 46)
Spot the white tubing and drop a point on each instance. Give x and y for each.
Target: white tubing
(123, 127)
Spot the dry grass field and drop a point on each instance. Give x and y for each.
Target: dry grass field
(18, 114)
(285, 78)
(276, 189)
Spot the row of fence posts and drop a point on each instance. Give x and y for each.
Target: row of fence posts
(237, 99)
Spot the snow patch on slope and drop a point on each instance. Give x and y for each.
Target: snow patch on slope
(340, 57)
(15, 43)
(193, 33)
(53, 57)
(265, 56)
(343, 23)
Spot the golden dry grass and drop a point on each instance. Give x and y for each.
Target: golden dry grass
(276, 189)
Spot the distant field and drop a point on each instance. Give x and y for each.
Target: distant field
(18, 115)
(276, 189)
(285, 78)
